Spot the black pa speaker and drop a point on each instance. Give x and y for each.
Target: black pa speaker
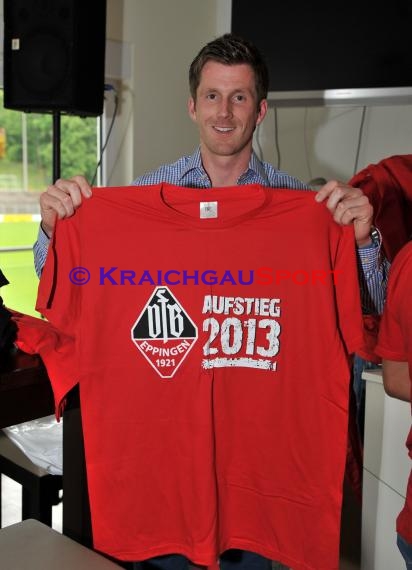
(54, 56)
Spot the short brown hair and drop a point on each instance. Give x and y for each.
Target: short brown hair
(231, 50)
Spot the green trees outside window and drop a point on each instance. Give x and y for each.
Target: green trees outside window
(26, 169)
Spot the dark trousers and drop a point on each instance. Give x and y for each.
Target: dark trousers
(230, 560)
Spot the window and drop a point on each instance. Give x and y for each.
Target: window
(26, 169)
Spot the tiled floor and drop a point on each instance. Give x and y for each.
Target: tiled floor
(350, 542)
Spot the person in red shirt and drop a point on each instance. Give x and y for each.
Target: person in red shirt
(395, 348)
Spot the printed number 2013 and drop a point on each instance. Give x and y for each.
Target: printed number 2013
(232, 336)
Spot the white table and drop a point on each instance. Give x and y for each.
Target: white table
(35, 546)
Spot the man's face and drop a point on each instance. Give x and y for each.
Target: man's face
(226, 109)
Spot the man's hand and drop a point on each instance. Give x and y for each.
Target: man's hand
(61, 200)
(348, 205)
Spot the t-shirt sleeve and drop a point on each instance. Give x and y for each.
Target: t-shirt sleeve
(58, 300)
(348, 292)
(59, 292)
(38, 336)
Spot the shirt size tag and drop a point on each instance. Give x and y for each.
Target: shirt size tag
(208, 210)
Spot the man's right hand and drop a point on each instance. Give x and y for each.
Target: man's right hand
(61, 200)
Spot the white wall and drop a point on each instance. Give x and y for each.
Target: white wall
(153, 126)
(323, 141)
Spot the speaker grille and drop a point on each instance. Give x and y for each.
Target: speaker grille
(54, 55)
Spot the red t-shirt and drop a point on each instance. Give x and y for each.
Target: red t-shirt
(395, 343)
(212, 340)
(37, 336)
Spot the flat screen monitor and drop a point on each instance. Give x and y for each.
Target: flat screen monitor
(327, 53)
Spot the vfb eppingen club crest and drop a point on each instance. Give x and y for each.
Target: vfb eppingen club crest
(164, 333)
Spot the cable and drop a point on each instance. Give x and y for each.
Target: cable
(121, 141)
(355, 170)
(275, 115)
(305, 143)
(116, 105)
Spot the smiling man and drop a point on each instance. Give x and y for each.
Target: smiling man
(227, 109)
(228, 87)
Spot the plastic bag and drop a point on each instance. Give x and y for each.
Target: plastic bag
(41, 441)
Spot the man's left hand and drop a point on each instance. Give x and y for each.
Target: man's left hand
(348, 205)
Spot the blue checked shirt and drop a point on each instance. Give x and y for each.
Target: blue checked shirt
(188, 171)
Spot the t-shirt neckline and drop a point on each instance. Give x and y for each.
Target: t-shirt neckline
(170, 197)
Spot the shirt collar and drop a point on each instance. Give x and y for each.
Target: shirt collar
(255, 168)
(194, 163)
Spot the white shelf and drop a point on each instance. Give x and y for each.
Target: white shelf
(385, 474)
